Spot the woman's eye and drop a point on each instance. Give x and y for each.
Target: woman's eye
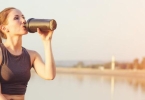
(16, 18)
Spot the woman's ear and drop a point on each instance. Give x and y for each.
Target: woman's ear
(3, 28)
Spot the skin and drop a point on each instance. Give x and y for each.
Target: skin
(14, 31)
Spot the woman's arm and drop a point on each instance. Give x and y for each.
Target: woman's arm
(46, 70)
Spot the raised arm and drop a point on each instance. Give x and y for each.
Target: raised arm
(46, 70)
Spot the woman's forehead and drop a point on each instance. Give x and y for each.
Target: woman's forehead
(15, 12)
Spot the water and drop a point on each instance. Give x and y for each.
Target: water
(70, 63)
(86, 87)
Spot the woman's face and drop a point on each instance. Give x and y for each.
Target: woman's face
(15, 23)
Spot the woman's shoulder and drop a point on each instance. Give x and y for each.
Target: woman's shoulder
(32, 52)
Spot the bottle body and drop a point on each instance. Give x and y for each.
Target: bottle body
(44, 24)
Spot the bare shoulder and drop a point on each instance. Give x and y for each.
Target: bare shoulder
(32, 53)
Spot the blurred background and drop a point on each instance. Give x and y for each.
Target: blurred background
(98, 48)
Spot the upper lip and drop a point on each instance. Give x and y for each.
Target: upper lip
(24, 25)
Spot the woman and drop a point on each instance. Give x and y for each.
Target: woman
(16, 61)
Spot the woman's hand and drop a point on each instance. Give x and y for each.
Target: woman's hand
(45, 35)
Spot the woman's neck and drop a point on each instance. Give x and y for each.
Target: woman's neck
(14, 45)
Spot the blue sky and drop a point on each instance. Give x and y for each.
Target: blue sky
(88, 29)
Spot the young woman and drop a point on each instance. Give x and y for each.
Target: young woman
(16, 61)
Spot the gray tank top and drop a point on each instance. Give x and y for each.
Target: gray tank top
(14, 72)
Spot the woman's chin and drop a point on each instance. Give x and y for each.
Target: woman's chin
(24, 33)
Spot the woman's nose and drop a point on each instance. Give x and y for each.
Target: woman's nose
(23, 21)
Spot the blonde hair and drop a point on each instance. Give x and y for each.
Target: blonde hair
(3, 20)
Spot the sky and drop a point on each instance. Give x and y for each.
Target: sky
(88, 29)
